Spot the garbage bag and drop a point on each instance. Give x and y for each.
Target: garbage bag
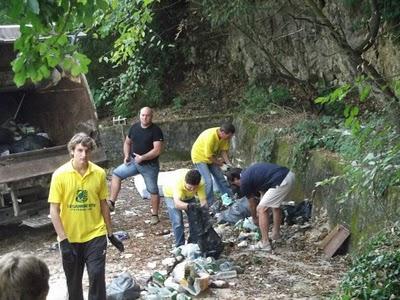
(297, 214)
(210, 243)
(202, 233)
(124, 287)
(237, 211)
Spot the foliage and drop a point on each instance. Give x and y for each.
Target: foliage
(351, 110)
(119, 92)
(49, 30)
(375, 272)
(312, 134)
(178, 103)
(266, 146)
(375, 161)
(258, 99)
(130, 19)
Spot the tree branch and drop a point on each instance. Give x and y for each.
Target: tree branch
(374, 25)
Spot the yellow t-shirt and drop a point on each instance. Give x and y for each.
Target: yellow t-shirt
(176, 187)
(207, 145)
(79, 198)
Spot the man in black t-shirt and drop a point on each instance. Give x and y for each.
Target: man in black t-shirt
(142, 147)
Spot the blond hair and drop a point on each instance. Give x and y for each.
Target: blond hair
(83, 139)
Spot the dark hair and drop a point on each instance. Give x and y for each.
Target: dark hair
(233, 174)
(193, 177)
(23, 277)
(227, 128)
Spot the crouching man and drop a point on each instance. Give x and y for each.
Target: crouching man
(274, 183)
(81, 218)
(179, 195)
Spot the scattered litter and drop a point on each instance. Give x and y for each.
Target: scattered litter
(243, 244)
(152, 265)
(121, 235)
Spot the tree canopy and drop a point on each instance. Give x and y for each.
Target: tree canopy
(49, 30)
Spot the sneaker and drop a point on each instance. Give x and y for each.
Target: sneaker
(111, 205)
(260, 246)
(154, 220)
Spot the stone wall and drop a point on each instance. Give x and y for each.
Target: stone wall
(179, 136)
(362, 216)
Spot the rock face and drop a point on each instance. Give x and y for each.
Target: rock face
(286, 37)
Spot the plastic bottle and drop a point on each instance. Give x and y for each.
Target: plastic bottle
(159, 278)
(225, 274)
(225, 266)
(182, 296)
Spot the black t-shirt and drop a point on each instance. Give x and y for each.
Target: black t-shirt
(143, 138)
(260, 177)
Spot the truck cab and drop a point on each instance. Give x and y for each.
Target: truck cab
(58, 107)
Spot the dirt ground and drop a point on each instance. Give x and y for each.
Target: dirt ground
(296, 269)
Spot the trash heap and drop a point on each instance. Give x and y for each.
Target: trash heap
(21, 137)
(193, 268)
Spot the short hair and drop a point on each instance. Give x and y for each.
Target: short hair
(81, 138)
(233, 174)
(227, 128)
(147, 108)
(23, 277)
(193, 177)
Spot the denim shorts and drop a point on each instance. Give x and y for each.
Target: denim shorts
(149, 171)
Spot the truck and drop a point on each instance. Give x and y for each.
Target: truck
(60, 106)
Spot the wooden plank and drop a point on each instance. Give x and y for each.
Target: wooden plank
(334, 240)
(39, 167)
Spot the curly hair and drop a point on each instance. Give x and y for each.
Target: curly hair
(81, 138)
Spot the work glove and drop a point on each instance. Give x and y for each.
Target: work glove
(116, 242)
(66, 248)
(111, 205)
(193, 206)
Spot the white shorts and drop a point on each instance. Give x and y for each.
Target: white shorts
(274, 196)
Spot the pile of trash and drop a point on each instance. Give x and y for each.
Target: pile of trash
(21, 137)
(187, 274)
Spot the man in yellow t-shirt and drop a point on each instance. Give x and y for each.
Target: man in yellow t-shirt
(180, 195)
(81, 218)
(205, 153)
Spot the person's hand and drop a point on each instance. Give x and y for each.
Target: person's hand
(111, 205)
(138, 158)
(116, 242)
(192, 206)
(127, 160)
(66, 248)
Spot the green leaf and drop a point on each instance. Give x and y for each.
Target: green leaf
(18, 64)
(354, 111)
(34, 6)
(20, 78)
(364, 93)
(44, 71)
(75, 70)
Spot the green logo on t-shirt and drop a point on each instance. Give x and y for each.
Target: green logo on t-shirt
(81, 196)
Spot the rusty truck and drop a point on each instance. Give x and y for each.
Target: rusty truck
(60, 106)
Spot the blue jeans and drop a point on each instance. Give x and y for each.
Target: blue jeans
(176, 217)
(206, 170)
(149, 171)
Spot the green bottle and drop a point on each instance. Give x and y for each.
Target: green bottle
(158, 278)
